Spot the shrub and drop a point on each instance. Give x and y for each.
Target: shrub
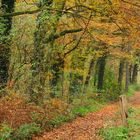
(12, 107)
(80, 111)
(135, 124)
(90, 106)
(122, 133)
(132, 89)
(115, 133)
(5, 132)
(110, 90)
(26, 131)
(59, 120)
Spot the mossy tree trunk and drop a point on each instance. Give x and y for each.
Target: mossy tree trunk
(7, 6)
(44, 52)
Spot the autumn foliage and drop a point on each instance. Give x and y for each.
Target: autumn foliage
(59, 56)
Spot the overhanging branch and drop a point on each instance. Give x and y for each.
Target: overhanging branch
(19, 13)
(43, 8)
(63, 33)
(33, 12)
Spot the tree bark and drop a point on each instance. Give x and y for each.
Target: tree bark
(90, 71)
(127, 82)
(124, 110)
(121, 73)
(101, 71)
(130, 73)
(135, 74)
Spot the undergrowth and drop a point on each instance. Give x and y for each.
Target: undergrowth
(132, 132)
(132, 89)
(21, 120)
(24, 132)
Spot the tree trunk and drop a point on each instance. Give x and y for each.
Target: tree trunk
(127, 82)
(135, 74)
(130, 73)
(124, 110)
(101, 71)
(7, 6)
(90, 71)
(44, 63)
(121, 73)
(56, 72)
(95, 74)
(58, 62)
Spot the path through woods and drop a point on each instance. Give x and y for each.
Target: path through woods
(86, 128)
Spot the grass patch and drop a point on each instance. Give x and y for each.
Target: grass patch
(90, 105)
(5, 131)
(115, 133)
(124, 133)
(24, 132)
(132, 89)
(59, 120)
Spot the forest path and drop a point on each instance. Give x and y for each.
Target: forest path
(86, 128)
(135, 99)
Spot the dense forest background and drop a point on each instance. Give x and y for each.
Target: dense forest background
(56, 54)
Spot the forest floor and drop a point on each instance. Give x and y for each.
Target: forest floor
(87, 128)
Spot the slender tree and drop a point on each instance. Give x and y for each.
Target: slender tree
(121, 73)
(130, 73)
(101, 71)
(127, 80)
(90, 71)
(135, 74)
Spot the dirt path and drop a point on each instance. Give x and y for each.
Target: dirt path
(82, 128)
(86, 128)
(135, 100)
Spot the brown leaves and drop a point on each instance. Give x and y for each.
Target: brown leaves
(15, 111)
(82, 128)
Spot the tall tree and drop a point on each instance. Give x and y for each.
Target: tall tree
(135, 74)
(38, 67)
(7, 6)
(121, 73)
(89, 74)
(127, 80)
(101, 71)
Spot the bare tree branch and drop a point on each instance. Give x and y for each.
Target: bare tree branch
(77, 44)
